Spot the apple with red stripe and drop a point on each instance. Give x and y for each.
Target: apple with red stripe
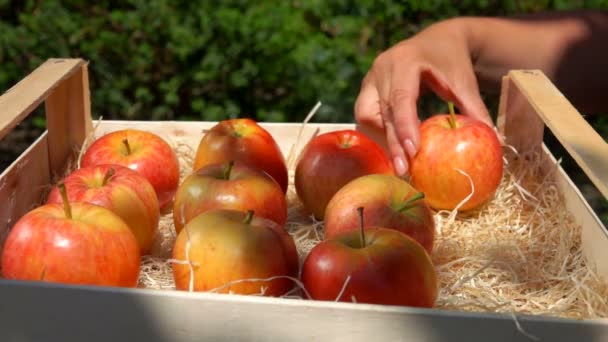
(374, 265)
(332, 159)
(73, 243)
(232, 251)
(120, 189)
(242, 140)
(230, 186)
(389, 202)
(451, 144)
(141, 151)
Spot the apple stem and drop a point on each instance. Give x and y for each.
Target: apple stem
(125, 141)
(361, 227)
(64, 196)
(410, 202)
(249, 217)
(108, 175)
(228, 169)
(452, 115)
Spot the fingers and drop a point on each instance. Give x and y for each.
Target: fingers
(403, 98)
(400, 162)
(367, 105)
(398, 96)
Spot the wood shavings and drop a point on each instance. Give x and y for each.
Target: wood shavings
(520, 253)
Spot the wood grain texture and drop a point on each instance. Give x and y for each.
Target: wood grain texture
(23, 185)
(25, 96)
(46, 312)
(578, 137)
(528, 102)
(68, 119)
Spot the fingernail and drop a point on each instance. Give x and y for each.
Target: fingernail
(410, 148)
(400, 167)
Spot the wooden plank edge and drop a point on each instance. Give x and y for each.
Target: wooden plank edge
(27, 94)
(597, 171)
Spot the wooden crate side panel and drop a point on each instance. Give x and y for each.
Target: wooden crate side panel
(23, 185)
(523, 110)
(30, 313)
(577, 136)
(594, 235)
(68, 120)
(25, 96)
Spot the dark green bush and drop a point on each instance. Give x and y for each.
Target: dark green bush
(209, 60)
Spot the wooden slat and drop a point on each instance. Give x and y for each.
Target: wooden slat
(25, 96)
(68, 119)
(577, 136)
(517, 119)
(525, 106)
(51, 313)
(23, 185)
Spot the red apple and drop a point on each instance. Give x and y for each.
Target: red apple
(120, 189)
(242, 140)
(229, 245)
(389, 202)
(229, 186)
(332, 159)
(385, 266)
(78, 243)
(448, 143)
(142, 151)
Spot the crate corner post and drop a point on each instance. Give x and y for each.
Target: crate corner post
(68, 115)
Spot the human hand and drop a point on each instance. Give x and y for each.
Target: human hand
(438, 58)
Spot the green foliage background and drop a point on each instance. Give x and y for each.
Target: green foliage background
(209, 60)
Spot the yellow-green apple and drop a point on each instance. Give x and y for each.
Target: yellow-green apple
(332, 159)
(142, 151)
(449, 145)
(389, 202)
(230, 186)
(242, 140)
(72, 243)
(381, 265)
(229, 248)
(120, 189)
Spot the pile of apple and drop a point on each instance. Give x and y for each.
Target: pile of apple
(101, 218)
(230, 212)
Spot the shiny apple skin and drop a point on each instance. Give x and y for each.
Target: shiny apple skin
(472, 147)
(95, 247)
(393, 269)
(150, 155)
(381, 196)
(242, 140)
(228, 249)
(246, 188)
(127, 194)
(332, 159)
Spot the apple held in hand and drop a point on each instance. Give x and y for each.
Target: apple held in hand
(332, 159)
(229, 186)
(449, 143)
(389, 202)
(142, 151)
(72, 243)
(124, 191)
(242, 140)
(229, 245)
(382, 265)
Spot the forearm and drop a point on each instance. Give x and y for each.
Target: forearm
(571, 48)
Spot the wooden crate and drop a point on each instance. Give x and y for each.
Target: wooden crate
(32, 311)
